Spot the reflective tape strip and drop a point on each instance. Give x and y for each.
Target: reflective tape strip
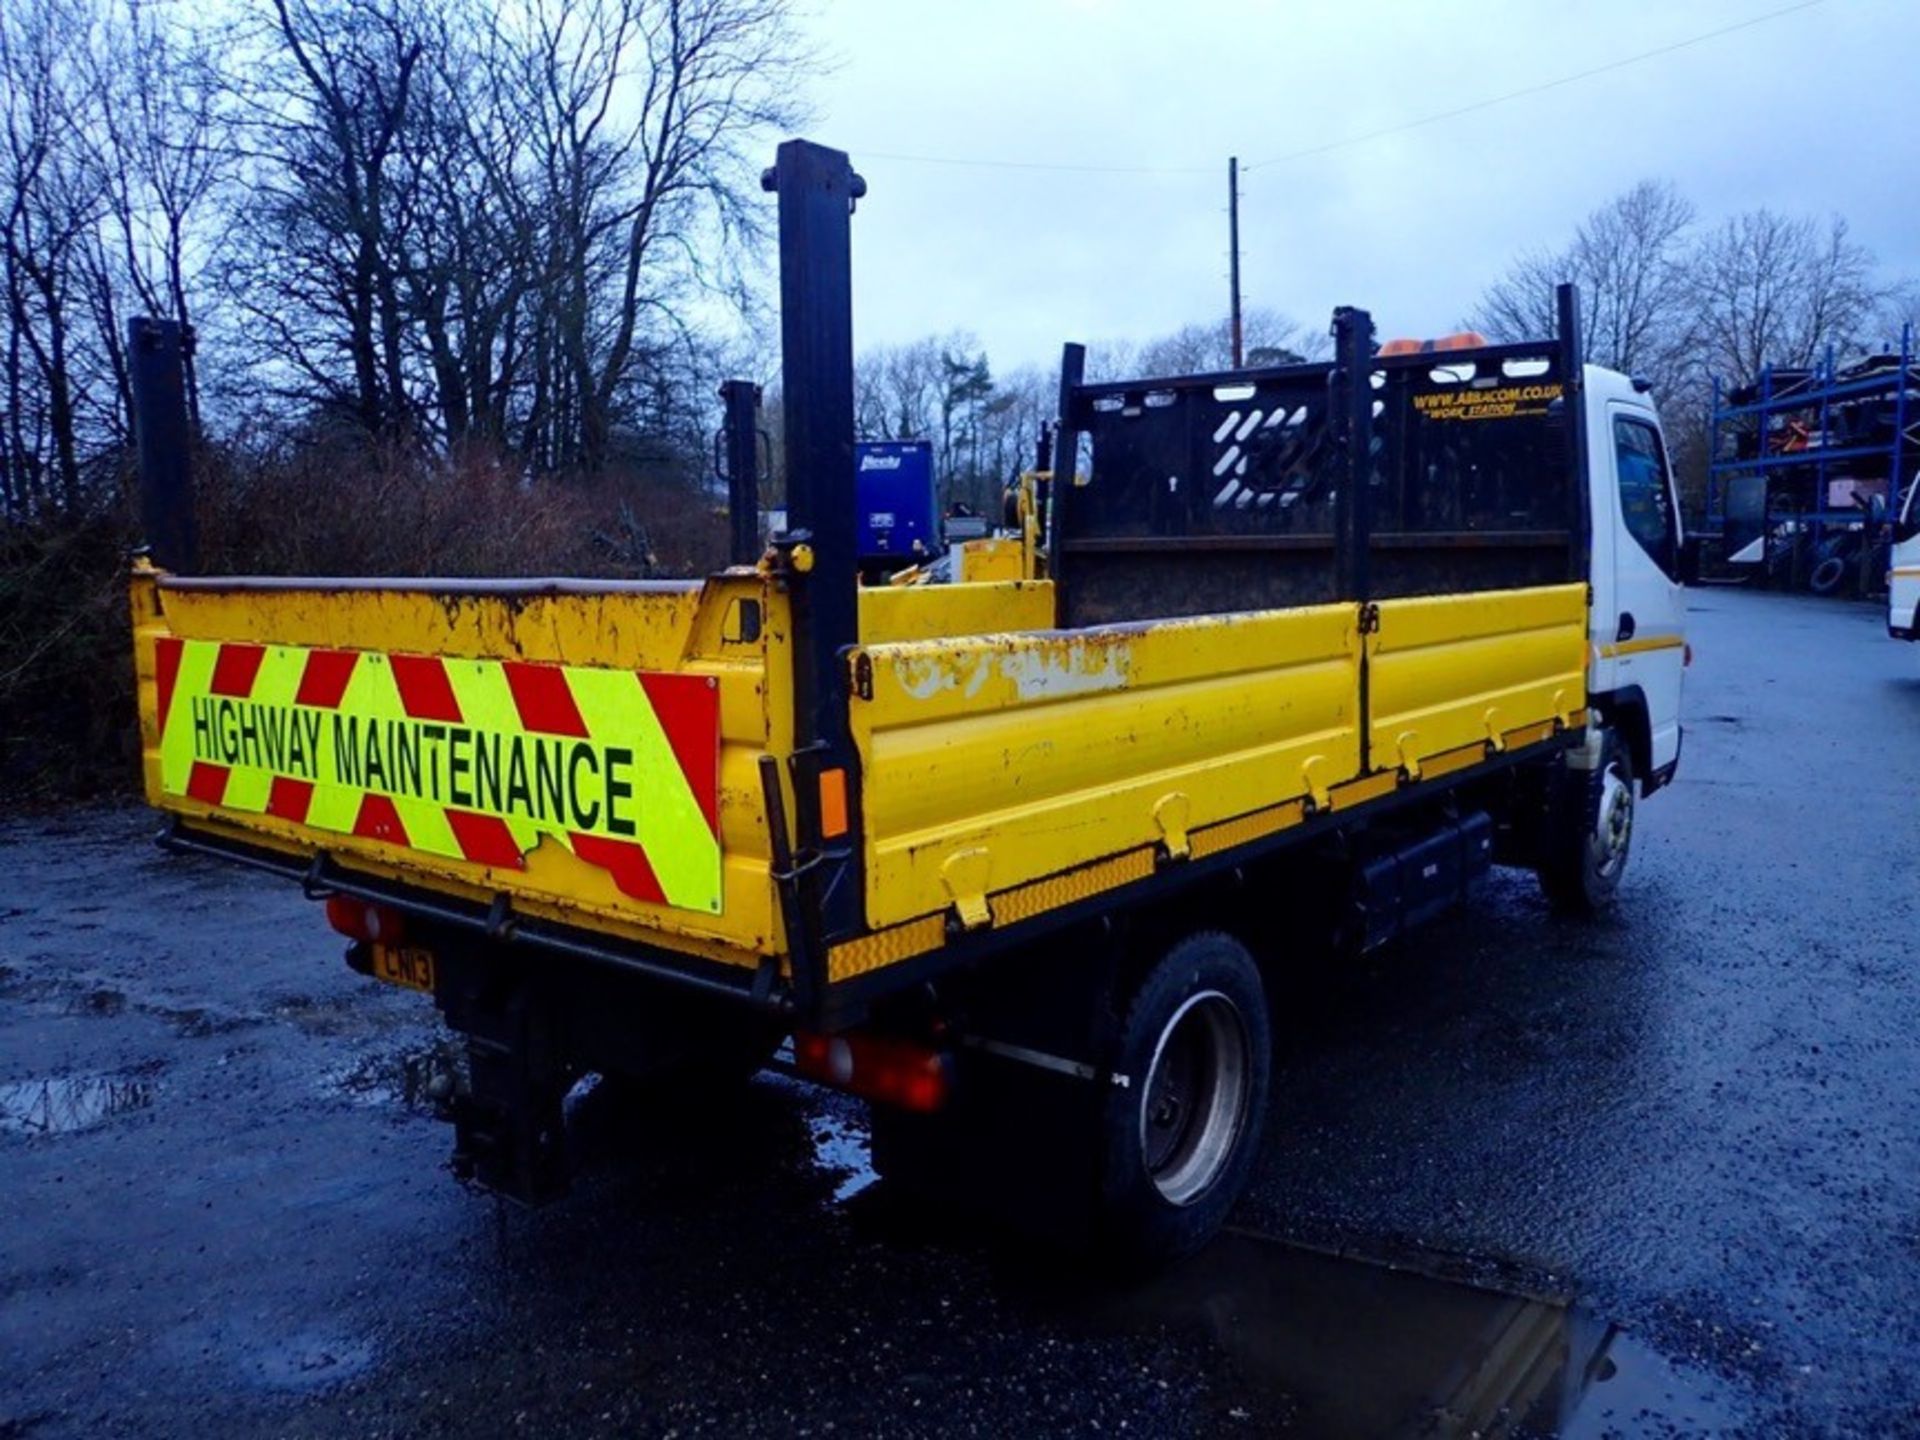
(482, 760)
(1642, 647)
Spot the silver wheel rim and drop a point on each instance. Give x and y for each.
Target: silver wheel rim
(1613, 829)
(1195, 1100)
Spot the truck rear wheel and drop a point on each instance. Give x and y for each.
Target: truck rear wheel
(1141, 1163)
(1180, 1136)
(1589, 833)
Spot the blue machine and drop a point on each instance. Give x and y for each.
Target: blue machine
(894, 494)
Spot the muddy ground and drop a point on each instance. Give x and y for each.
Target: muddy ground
(1652, 1175)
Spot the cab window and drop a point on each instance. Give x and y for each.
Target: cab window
(1646, 497)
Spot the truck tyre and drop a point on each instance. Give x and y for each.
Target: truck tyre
(1589, 833)
(1195, 1048)
(1827, 575)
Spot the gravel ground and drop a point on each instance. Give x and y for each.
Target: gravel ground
(1651, 1175)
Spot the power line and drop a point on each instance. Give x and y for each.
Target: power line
(1038, 165)
(1543, 86)
(1067, 167)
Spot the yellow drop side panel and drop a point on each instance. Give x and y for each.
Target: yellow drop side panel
(931, 612)
(991, 761)
(1450, 671)
(590, 750)
(992, 560)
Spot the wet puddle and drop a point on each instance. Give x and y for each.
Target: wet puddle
(395, 1077)
(61, 1104)
(1333, 1345)
(1288, 1337)
(836, 1128)
(840, 1150)
(1325, 1344)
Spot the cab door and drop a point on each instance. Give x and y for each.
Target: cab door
(1640, 638)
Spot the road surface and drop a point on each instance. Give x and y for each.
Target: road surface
(1652, 1175)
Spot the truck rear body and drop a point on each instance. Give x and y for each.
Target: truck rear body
(593, 752)
(1280, 607)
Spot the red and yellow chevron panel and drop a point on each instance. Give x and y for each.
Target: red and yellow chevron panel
(481, 760)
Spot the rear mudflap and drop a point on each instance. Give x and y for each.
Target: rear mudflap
(509, 1128)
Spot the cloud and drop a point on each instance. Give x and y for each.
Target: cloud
(1806, 112)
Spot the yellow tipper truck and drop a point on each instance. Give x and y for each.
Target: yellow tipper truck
(1310, 648)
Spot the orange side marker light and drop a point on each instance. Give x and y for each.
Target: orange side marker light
(833, 803)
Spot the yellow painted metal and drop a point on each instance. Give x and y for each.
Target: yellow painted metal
(990, 762)
(1646, 644)
(1006, 768)
(1033, 555)
(1230, 834)
(992, 560)
(1023, 902)
(890, 613)
(366, 744)
(929, 933)
(696, 628)
(886, 947)
(1450, 671)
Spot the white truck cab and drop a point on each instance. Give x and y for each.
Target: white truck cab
(1638, 616)
(1903, 568)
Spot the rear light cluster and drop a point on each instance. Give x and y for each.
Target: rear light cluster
(874, 1067)
(366, 920)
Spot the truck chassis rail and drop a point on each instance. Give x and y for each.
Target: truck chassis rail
(767, 988)
(322, 876)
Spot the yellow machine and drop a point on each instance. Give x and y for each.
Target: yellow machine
(962, 840)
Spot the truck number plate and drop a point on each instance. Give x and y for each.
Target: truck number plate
(404, 965)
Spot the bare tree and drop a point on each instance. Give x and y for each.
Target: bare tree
(1270, 339)
(1631, 262)
(321, 277)
(49, 201)
(163, 152)
(640, 112)
(471, 257)
(1023, 401)
(1773, 289)
(897, 389)
(965, 388)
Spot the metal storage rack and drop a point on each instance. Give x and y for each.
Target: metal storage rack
(1797, 480)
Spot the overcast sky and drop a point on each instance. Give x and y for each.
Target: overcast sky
(1814, 111)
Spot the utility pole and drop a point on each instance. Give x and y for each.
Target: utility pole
(1233, 253)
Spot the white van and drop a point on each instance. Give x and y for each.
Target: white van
(1903, 569)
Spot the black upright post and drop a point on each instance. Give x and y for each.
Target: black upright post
(816, 189)
(1350, 407)
(156, 351)
(742, 442)
(1573, 366)
(1066, 456)
(1233, 260)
